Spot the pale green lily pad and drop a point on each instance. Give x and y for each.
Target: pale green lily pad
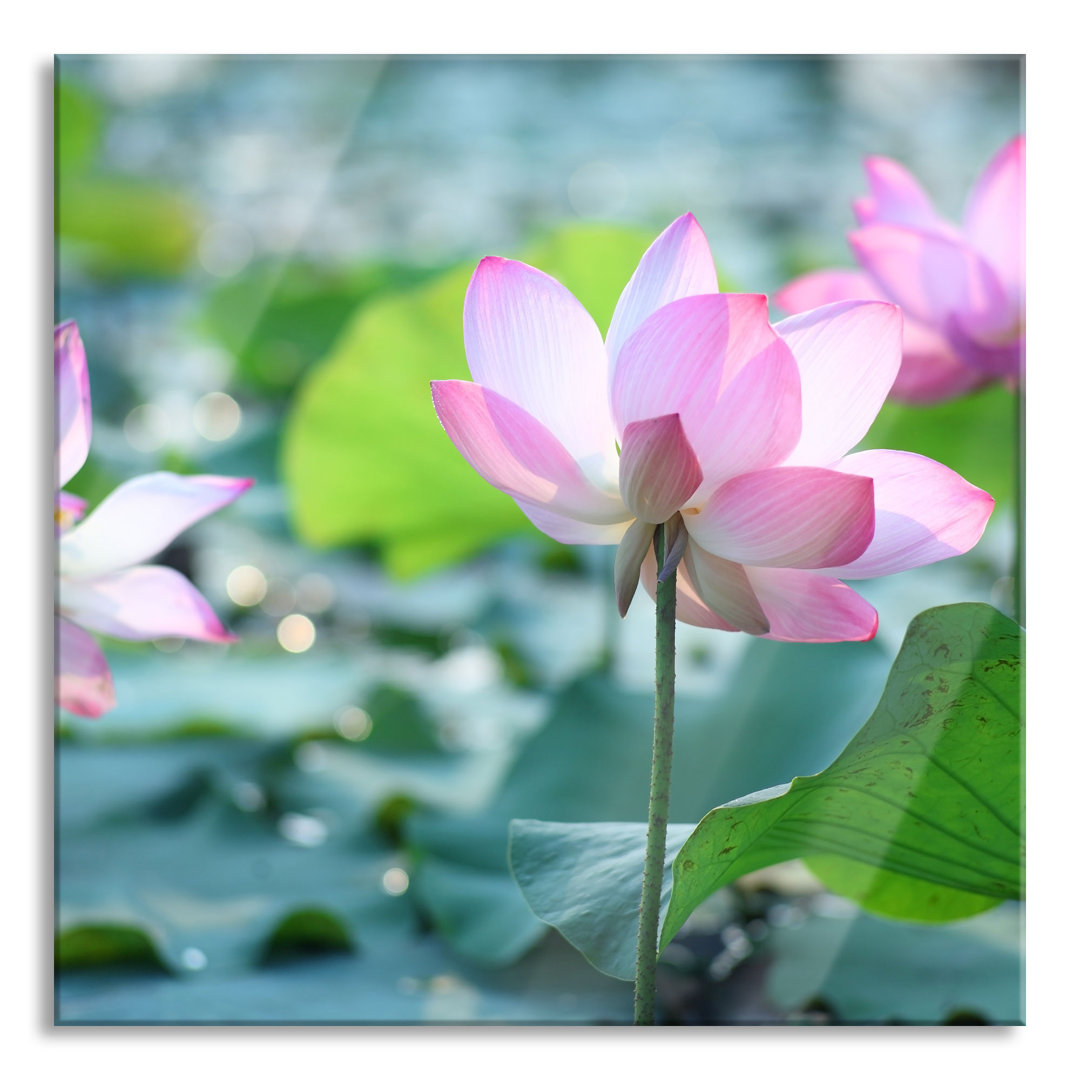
(866, 970)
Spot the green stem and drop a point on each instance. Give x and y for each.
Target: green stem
(659, 796)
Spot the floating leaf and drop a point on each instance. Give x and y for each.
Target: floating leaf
(403, 980)
(868, 970)
(218, 885)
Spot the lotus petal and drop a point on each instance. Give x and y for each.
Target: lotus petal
(83, 683)
(140, 518)
(924, 512)
(791, 516)
(142, 603)
(677, 264)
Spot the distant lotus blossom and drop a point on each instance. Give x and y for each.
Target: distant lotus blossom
(699, 414)
(961, 289)
(101, 585)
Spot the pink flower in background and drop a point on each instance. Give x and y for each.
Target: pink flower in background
(961, 289)
(697, 413)
(101, 585)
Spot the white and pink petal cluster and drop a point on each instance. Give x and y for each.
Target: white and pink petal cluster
(962, 289)
(102, 586)
(698, 414)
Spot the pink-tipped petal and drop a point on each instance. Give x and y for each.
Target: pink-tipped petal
(658, 470)
(805, 606)
(689, 607)
(568, 530)
(848, 355)
(140, 518)
(72, 388)
(83, 682)
(936, 279)
(142, 603)
(825, 287)
(636, 542)
(682, 356)
(994, 218)
(677, 264)
(924, 512)
(800, 517)
(897, 198)
(515, 453)
(528, 339)
(725, 589)
(757, 421)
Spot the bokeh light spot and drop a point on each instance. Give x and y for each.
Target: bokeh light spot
(395, 881)
(302, 829)
(246, 586)
(216, 416)
(353, 723)
(296, 633)
(193, 959)
(147, 428)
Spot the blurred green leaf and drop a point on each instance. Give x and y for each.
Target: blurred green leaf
(278, 318)
(304, 932)
(929, 788)
(104, 945)
(79, 118)
(976, 435)
(591, 763)
(118, 226)
(364, 455)
(868, 970)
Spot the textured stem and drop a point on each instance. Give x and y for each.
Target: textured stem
(659, 795)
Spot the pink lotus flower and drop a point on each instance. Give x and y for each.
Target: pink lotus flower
(699, 414)
(101, 586)
(961, 289)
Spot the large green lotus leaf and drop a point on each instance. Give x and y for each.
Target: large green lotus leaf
(397, 980)
(364, 456)
(928, 789)
(590, 762)
(977, 435)
(558, 866)
(868, 970)
(886, 892)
